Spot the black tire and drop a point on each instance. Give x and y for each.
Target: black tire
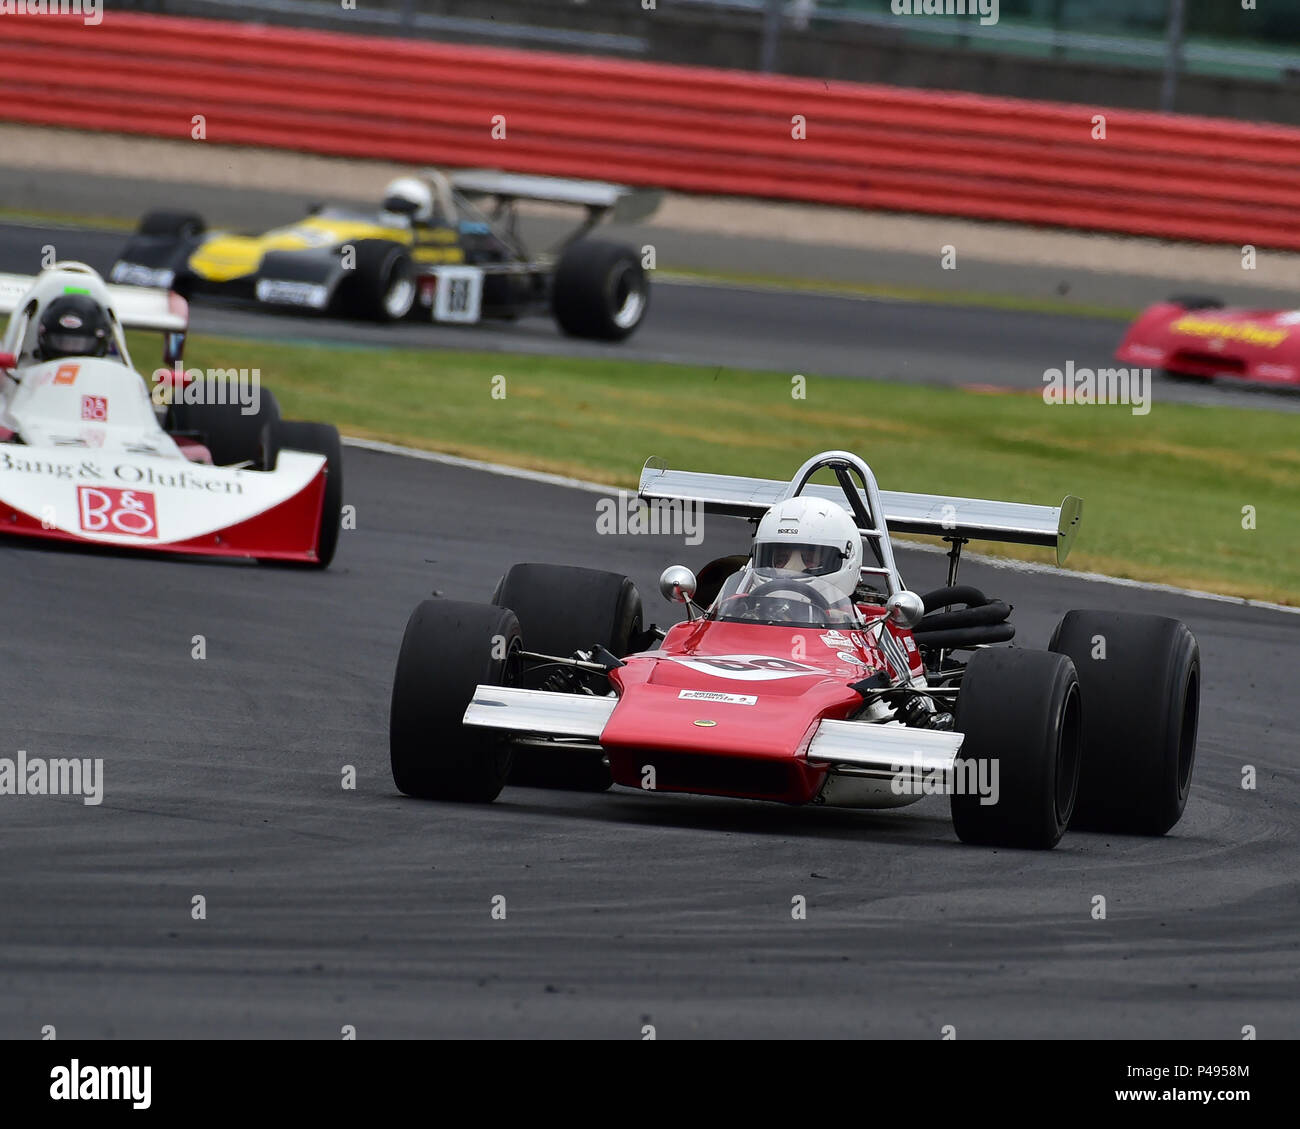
(565, 608)
(449, 648)
(321, 439)
(562, 609)
(1143, 703)
(176, 225)
(710, 579)
(1185, 377)
(370, 290)
(1021, 709)
(600, 291)
(1196, 302)
(231, 436)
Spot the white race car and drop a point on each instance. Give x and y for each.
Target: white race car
(92, 452)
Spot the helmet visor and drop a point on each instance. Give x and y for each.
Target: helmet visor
(787, 557)
(74, 343)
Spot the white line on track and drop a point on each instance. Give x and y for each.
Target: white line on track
(995, 562)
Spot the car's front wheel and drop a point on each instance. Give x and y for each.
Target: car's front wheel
(171, 225)
(563, 609)
(449, 648)
(321, 439)
(1021, 716)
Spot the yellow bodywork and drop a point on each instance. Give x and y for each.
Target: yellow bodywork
(223, 258)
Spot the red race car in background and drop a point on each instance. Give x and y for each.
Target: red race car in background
(1193, 338)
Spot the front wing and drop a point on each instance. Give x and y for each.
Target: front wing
(854, 748)
(163, 505)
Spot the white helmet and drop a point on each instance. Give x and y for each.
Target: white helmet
(409, 196)
(809, 537)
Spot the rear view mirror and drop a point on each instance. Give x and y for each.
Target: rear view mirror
(173, 348)
(904, 609)
(677, 584)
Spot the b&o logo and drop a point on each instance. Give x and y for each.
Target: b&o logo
(104, 509)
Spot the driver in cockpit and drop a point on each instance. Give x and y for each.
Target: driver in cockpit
(72, 325)
(806, 564)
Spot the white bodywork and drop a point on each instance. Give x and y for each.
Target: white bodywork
(624, 205)
(94, 463)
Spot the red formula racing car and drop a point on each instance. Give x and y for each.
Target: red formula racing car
(1193, 338)
(807, 673)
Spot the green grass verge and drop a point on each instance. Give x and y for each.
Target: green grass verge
(65, 219)
(1163, 493)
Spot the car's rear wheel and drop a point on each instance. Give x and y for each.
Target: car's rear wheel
(450, 648)
(231, 434)
(600, 291)
(563, 609)
(381, 286)
(1021, 717)
(321, 439)
(1141, 682)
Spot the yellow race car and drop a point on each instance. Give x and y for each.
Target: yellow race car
(429, 250)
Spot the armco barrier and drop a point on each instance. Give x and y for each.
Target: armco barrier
(684, 128)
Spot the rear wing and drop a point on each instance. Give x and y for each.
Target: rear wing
(622, 204)
(137, 307)
(930, 514)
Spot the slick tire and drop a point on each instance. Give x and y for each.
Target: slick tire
(172, 224)
(562, 609)
(1140, 676)
(230, 435)
(321, 439)
(449, 648)
(1021, 710)
(381, 287)
(600, 291)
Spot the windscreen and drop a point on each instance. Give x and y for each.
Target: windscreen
(778, 596)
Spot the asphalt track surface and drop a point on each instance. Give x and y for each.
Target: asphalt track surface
(731, 327)
(328, 907)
